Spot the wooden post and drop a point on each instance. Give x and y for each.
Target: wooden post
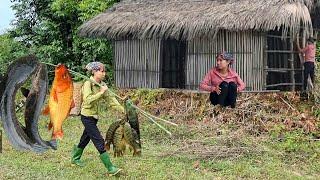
(291, 62)
(302, 58)
(265, 62)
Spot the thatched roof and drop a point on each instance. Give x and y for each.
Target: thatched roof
(315, 16)
(186, 19)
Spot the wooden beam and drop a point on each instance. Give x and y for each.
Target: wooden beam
(281, 69)
(284, 84)
(275, 36)
(206, 92)
(281, 51)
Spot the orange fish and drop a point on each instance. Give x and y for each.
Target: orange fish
(60, 100)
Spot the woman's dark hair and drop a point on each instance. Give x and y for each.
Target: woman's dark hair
(227, 56)
(311, 40)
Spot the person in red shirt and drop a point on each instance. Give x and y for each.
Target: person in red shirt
(223, 82)
(309, 60)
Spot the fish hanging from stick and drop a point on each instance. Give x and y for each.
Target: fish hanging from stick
(20, 137)
(60, 100)
(34, 102)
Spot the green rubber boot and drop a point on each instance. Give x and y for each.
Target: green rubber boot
(112, 170)
(76, 155)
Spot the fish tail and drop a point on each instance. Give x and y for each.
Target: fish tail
(50, 126)
(57, 135)
(25, 92)
(54, 144)
(107, 147)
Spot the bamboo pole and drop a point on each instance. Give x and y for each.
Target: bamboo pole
(261, 49)
(283, 84)
(292, 66)
(301, 57)
(250, 75)
(255, 61)
(206, 92)
(148, 117)
(265, 61)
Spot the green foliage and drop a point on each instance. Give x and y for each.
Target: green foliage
(146, 96)
(64, 8)
(90, 8)
(88, 50)
(317, 113)
(277, 130)
(9, 49)
(293, 141)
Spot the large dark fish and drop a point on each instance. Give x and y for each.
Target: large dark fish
(133, 120)
(110, 133)
(34, 103)
(125, 132)
(19, 72)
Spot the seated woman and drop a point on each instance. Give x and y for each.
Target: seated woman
(222, 82)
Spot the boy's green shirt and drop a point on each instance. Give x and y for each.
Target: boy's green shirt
(92, 97)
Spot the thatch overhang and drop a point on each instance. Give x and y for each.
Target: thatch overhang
(315, 16)
(187, 19)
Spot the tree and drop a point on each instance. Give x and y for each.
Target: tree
(10, 49)
(49, 28)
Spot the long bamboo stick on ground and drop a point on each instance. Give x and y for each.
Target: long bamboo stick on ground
(150, 118)
(141, 110)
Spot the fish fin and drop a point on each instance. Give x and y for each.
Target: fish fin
(72, 104)
(24, 129)
(54, 144)
(25, 92)
(107, 147)
(57, 135)
(49, 125)
(46, 111)
(37, 148)
(55, 96)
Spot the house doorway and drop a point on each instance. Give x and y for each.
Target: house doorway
(173, 56)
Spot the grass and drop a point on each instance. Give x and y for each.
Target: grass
(291, 158)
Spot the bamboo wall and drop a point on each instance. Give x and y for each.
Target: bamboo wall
(137, 63)
(248, 50)
(283, 68)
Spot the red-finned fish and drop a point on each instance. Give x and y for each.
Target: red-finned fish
(60, 100)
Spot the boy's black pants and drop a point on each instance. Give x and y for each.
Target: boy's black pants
(91, 132)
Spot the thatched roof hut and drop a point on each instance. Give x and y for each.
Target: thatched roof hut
(151, 24)
(188, 19)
